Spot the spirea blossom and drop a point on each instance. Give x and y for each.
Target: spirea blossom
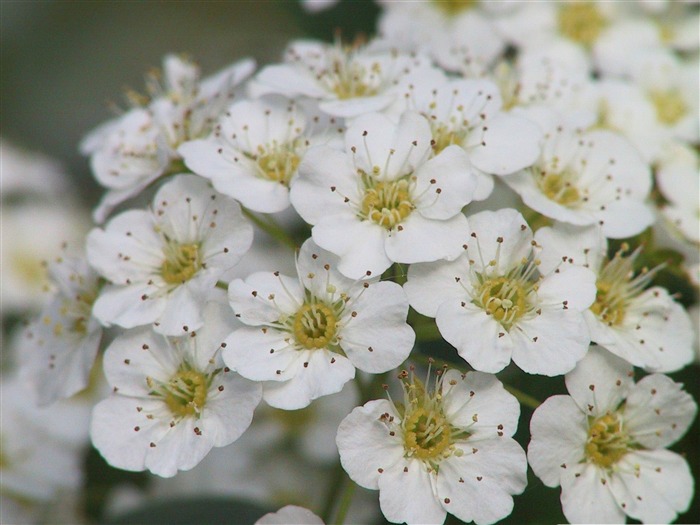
(446, 449)
(164, 263)
(173, 399)
(494, 304)
(392, 199)
(605, 444)
(306, 335)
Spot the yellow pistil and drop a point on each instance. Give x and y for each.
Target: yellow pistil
(277, 163)
(504, 298)
(670, 106)
(314, 325)
(181, 263)
(186, 393)
(351, 79)
(444, 137)
(559, 187)
(454, 7)
(617, 286)
(387, 203)
(427, 434)
(607, 440)
(581, 21)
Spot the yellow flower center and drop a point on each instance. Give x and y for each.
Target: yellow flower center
(581, 21)
(314, 325)
(278, 163)
(186, 393)
(351, 79)
(182, 261)
(670, 106)
(443, 137)
(454, 7)
(559, 187)
(608, 306)
(607, 440)
(427, 434)
(387, 203)
(505, 299)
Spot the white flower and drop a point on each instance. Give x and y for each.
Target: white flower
(289, 515)
(33, 234)
(36, 463)
(346, 81)
(163, 264)
(642, 325)
(469, 113)
(173, 399)
(605, 444)
(584, 178)
(459, 35)
(130, 152)
(315, 6)
(446, 450)
(307, 336)
(383, 199)
(253, 153)
(494, 304)
(28, 172)
(59, 347)
(678, 179)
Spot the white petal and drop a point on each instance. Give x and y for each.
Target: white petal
(479, 485)
(318, 271)
(408, 495)
(551, 343)
(586, 499)
(479, 402)
(326, 373)
(488, 226)
(261, 354)
(229, 409)
(264, 297)
(354, 107)
(359, 244)
(559, 432)
(658, 412)
(585, 246)
(444, 184)
(431, 284)
(418, 239)
(575, 288)
(475, 335)
(654, 485)
(289, 80)
(124, 306)
(380, 324)
(365, 445)
(599, 382)
(625, 218)
(183, 310)
(178, 448)
(510, 143)
(291, 513)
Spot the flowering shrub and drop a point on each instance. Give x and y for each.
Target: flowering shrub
(340, 251)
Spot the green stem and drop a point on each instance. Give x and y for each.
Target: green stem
(333, 491)
(345, 501)
(522, 397)
(399, 274)
(271, 228)
(222, 285)
(426, 332)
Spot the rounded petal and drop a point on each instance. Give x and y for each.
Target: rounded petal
(431, 284)
(599, 382)
(365, 445)
(587, 498)
(264, 297)
(406, 494)
(559, 431)
(418, 239)
(261, 354)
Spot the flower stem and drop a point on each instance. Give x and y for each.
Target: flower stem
(336, 481)
(522, 397)
(273, 229)
(345, 501)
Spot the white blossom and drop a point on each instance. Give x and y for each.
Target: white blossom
(494, 303)
(173, 399)
(385, 199)
(164, 263)
(641, 324)
(306, 336)
(443, 450)
(605, 444)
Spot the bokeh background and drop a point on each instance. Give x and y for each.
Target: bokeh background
(65, 66)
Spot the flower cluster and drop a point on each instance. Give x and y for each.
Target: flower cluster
(483, 173)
